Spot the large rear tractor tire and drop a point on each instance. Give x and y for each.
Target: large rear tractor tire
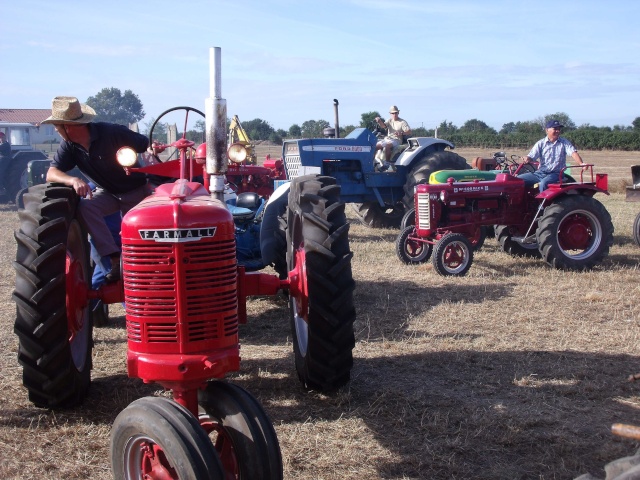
(375, 216)
(156, 438)
(321, 292)
(426, 166)
(241, 431)
(575, 233)
(53, 322)
(505, 238)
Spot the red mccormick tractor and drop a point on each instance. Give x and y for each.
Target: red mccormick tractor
(564, 225)
(633, 195)
(185, 295)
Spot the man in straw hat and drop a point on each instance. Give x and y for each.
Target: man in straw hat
(92, 146)
(397, 129)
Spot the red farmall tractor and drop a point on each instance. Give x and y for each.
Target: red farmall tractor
(564, 225)
(185, 295)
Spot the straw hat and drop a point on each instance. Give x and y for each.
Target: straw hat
(393, 109)
(68, 110)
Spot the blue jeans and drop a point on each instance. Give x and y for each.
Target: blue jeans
(543, 179)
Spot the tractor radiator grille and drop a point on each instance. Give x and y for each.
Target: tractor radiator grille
(424, 215)
(180, 293)
(292, 166)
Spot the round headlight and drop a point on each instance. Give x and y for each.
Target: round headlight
(237, 153)
(126, 156)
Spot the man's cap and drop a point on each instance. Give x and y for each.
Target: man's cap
(393, 109)
(68, 110)
(554, 124)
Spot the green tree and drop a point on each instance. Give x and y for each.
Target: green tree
(508, 128)
(446, 128)
(159, 131)
(562, 117)
(475, 125)
(258, 129)
(113, 106)
(295, 131)
(367, 119)
(314, 128)
(636, 124)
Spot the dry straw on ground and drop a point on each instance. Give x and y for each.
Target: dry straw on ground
(515, 371)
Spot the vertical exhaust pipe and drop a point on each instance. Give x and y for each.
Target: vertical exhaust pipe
(335, 109)
(216, 126)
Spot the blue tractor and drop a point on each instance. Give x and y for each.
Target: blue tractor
(382, 197)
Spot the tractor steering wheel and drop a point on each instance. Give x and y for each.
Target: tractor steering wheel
(186, 118)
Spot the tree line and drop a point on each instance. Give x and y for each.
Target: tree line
(112, 105)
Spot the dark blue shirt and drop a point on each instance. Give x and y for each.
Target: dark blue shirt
(99, 163)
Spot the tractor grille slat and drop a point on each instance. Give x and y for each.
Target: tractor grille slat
(424, 214)
(180, 293)
(292, 166)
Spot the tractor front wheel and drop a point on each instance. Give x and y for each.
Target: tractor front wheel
(156, 438)
(321, 283)
(409, 219)
(412, 250)
(241, 432)
(53, 321)
(575, 233)
(453, 255)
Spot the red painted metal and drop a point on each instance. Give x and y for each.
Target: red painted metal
(180, 288)
(503, 201)
(76, 298)
(298, 286)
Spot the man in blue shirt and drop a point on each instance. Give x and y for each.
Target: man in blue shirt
(552, 153)
(92, 148)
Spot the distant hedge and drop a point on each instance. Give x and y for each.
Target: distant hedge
(583, 139)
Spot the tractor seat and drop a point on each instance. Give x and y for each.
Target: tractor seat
(241, 214)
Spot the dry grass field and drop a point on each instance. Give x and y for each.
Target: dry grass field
(515, 371)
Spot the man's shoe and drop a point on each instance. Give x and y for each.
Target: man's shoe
(114, 275)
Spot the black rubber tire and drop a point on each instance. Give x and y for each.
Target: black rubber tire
(504, 238)
(575, 233)
(280, 261)
(16, 177)
(322, 322)
(170, 434)
(409, 219)
(477, 245)
(373, 215)
(56, 363)
(424, 167)
(412, 252)
(19, 201)
(246, 441)
(453, 255)
(636, 230)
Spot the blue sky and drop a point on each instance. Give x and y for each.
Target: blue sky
(284, 61)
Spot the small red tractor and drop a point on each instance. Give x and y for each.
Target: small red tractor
(185, 295)
(633, 195)
(564, 224)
